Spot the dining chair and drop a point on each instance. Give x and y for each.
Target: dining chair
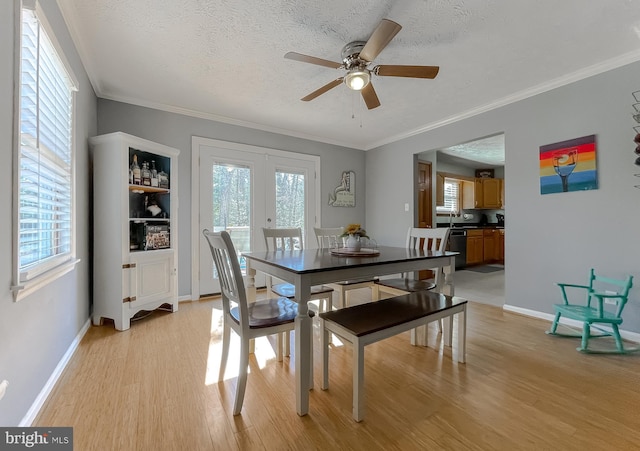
(273, 316)
(330, 237)
(604, 299)
(286, 240)
(417, 239)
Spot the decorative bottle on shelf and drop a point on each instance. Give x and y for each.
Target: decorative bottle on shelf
(135, 170)
(163, 179)
(154, 174)
(146, 174)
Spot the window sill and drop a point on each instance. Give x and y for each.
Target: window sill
(25, 289)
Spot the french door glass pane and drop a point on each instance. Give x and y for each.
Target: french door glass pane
(290, 207)
(232, 205)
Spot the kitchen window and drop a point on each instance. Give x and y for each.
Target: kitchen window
(451, 197)
(44, 235)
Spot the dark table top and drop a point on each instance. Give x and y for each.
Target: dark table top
(316, 260)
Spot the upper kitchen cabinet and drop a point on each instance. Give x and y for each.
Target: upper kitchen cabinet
(488, 193)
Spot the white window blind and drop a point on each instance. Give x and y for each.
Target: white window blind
(45, 155)
(451, 197)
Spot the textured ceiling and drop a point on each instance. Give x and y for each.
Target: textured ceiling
(223, 60)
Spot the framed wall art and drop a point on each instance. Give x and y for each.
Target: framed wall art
(568, 166)
(344, 195)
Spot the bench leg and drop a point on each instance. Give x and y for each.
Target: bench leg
(462, 335)
(358, 381)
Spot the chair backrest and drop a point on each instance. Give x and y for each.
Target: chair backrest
(328, 237)
(429, 239)
(600, 285)
(226, 261)
(283, 239)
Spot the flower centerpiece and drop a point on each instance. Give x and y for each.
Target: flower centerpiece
(354, 232)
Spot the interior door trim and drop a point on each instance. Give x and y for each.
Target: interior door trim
(196, 143)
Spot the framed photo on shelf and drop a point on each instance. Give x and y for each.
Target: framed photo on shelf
(157, 237)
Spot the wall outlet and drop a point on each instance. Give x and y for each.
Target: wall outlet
(3, 388)
(406, 207)
(610, 301)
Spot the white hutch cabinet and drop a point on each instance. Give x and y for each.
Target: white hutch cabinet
(135, 227)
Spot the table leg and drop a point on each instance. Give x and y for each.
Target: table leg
(462, 335)
(304, 349)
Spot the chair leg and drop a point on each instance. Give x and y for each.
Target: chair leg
(616, 335)
(586, 333)
(241, 384)
(287, 344)
(225, 350)
(279, 345)
(554, 325)
(375, 292)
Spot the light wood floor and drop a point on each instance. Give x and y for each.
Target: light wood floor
(154, 388)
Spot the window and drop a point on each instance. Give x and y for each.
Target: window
(44, 186)
(451, 197)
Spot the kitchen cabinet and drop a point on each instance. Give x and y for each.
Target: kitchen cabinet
(488, 193)
(439, 189)
(475, 247)
(135, 203)
(501, 246)
(490, 245)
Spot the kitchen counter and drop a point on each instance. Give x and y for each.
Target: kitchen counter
(472, 226)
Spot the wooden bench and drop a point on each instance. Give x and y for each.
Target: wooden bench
(368, 323)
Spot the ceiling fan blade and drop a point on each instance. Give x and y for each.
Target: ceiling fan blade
(322, 90)
(406, 71)
(381, 36)
(370, 97)
(311, 59)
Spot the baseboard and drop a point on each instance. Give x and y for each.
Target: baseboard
(57, 372)
(627, 335)
(185, 298)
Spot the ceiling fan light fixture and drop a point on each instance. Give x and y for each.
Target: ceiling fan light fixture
(357, 79)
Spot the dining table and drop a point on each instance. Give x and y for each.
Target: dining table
(308, 267)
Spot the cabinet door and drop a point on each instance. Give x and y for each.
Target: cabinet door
(489, 247)
(474, 247)
(152, 279)
(479, 193)
(439, 190)
(491, 190)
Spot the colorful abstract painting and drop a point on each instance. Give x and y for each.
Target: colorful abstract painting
(568, 166)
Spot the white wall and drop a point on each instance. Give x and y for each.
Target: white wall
(550, 238)
(176, 130)
(37, 331)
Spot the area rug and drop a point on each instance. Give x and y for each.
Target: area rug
(485, 268)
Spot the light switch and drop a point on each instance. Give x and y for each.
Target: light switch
(406, 207)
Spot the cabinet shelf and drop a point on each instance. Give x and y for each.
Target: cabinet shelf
(140, 189)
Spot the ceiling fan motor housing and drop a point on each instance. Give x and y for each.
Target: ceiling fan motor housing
(351, 55)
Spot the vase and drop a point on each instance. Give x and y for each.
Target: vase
(353, 243)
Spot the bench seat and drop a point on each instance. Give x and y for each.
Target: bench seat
(371, 322)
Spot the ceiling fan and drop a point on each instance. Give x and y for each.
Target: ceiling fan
(357, 56)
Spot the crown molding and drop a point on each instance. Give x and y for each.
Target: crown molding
(596, 69)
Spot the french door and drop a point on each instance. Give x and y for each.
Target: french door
(244, 188)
